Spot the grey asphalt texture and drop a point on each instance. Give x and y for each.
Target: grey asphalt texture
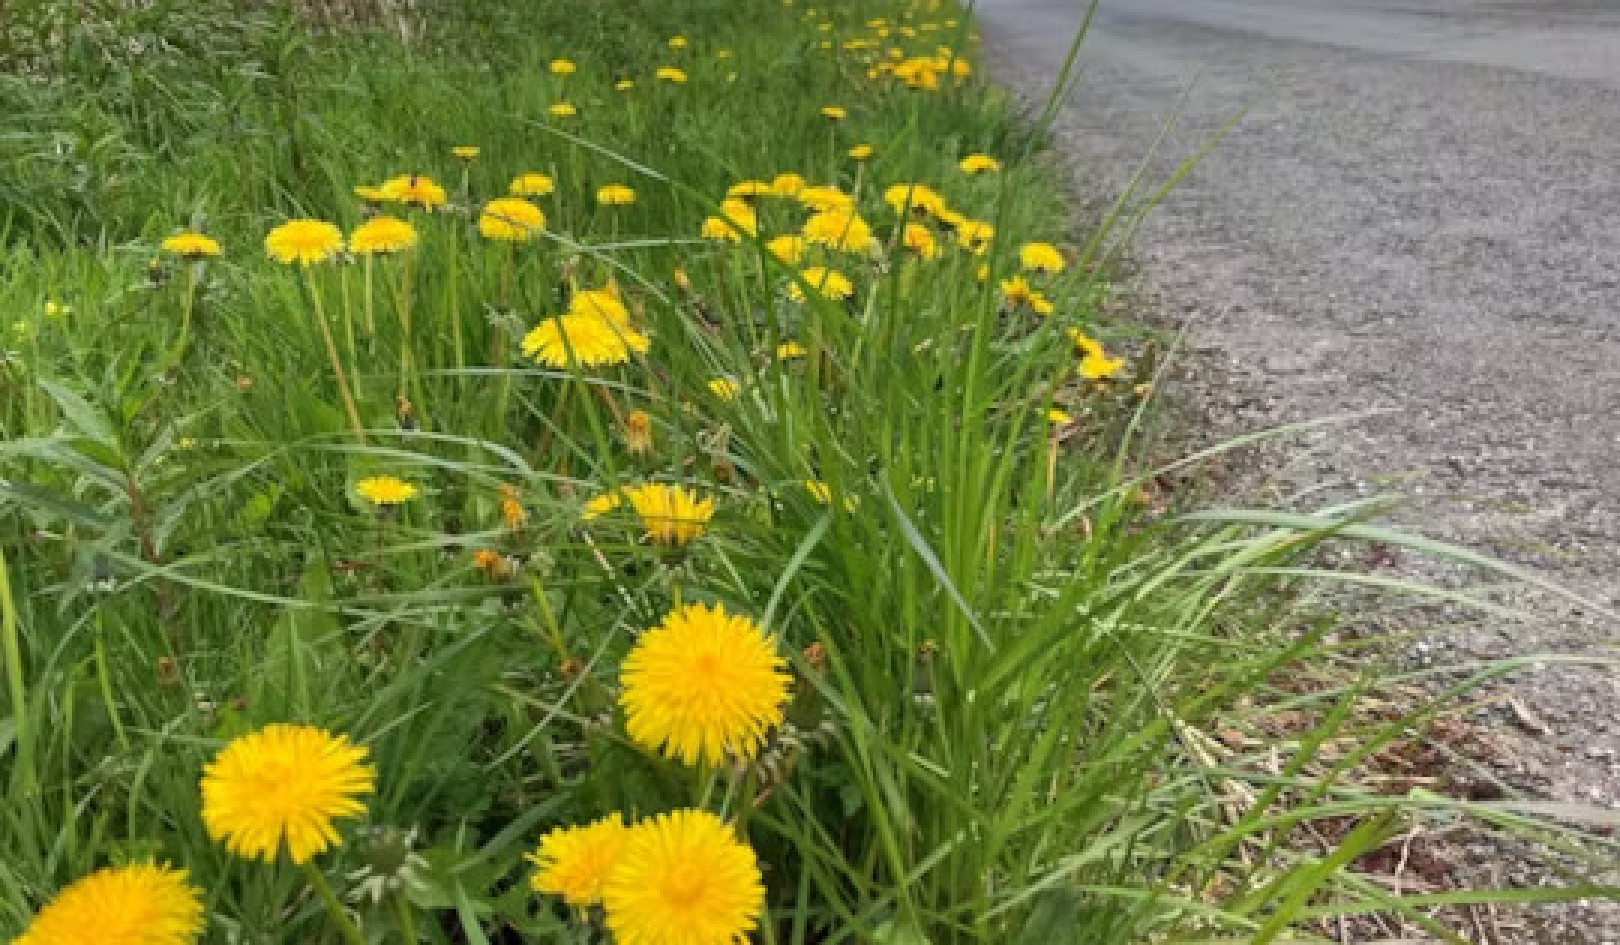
(1419, 211)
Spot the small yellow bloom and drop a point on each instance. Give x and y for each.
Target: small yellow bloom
(304, 242)
(975, 235)
(624, 85)
(385, 490)
(562, 110)
(380, 236)
(512, 514)
(575, 862)
(916, 198)
(789, 249)
(826, 198)
(725, 388)
(787, 185)
(861, 152)
(465, 152)
(638, 432)
(828, 283)
(979, 164)
(736, 219)
(1057, 417)
(1041, 257)
(616, 195)
(840, 230)
(601, 505)
(414, 190)
(1019, 292)
(55, 309)
(788, 350)
(677, 42)
(670, 74)
(531, 185)
(510, 218)
(671, 515)
(920, 240)
(139, 904)
(1095, 364)
(562, 67)
(192, 246)
(834, 113)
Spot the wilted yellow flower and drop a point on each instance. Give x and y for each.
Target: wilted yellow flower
(304, 242)
(615, 195)
(385, 490)
(979, 164)
(575, 862)
(670, 74)
(512, 514)
(725, 388)
(671, 515)
(840, 230)
(684, 879)
(139, 904)
(920, 240)
(510, 218)
(828, 283)
(494, 564)
(381, 235)
(465, 152)
(562, 110)
(638, 433)
(561, 67)
(1041, 257)
(414, 190)
(531, 185)
(704, 686)
(190, 245)
(861, 152)
(917, 198)
(834, 113)
(789, 249)
(283, 784)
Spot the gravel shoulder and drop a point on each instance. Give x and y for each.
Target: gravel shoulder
(1418, 214)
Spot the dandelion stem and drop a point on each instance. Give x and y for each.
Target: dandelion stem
(340, 916)
(407, 924)
(349, 406)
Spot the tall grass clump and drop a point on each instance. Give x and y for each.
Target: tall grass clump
(638, 472)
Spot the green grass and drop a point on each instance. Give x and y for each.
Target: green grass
(1007, 666)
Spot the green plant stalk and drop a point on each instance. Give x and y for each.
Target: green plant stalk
(104, 678)
(334, 908)
(402, 904)
(349, 406)
(11, 636)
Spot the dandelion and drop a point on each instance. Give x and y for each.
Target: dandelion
(638, 434)
(191, 246)
(788, 350)
(381, 235)
(1019, 292)
(840, 230)
(920, 240)
(575, 862)
(601, 505)
(385, 490)
(737, 219)
(787, 185)
(304, 242)
(1041, 257)
(975, 235)
(624, 85)
(561, 67)
(370, 194)
(979, 164)
(283, 785)
(861, 152)
(55, 309)
(703, 686)
(494, 564)
(1058, 417)
(828, 283)
(615, 195)
(510, 218)
(465, 152)
(138, 904)
(725, 388)
(512, 514)
(834, 113)
(819, 491)
(670, 74)
(684, 878)
(1095, 364)
(584, 339)
(531, 185)
(602, 303)
(415, 190)
(671, 515)
(915, 198)
(789, 249)
(747, 189)
(562, 110)
(677, 42)
(826, 199)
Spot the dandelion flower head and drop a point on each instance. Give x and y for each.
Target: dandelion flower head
(191, 245)
(684, 878)
(385, 490)
(615, 195)
(382, 235)
(510, 218)
(671, 515)
(531, 185)
(575, 862)
(139, 904)
(304, 242)
(414, 190)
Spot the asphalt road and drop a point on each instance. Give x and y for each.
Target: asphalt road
(1419, 211)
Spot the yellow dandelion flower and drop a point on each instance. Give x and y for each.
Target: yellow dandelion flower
(828, 283)
(703, 686)
(370, 194)
(826, 199)
(861, 152)
(512, 514)
(415, 190)
(55, 309)
(510, 218)
(920, 240)
(283, 785)
(562, 110)
(575, 862)
(601, 303)
(531, 185)
(1018, 292)
(601, 505)
(671, 515)
(615, 195)
(788, 350)
(746, 189)
(840, 230)
(624, 85)
(682, 281)
(584, 339)
(789, 249)
(1058, 417)
(139, 904)
(638, 432)
(1095, 364)
(677, 42)
(561, 67)
(975, 235)
(382, 235)
(304, 242)
(737, 219)
(670, 74)
(819, 491)
(787, 185)
(192, 246)
(725, 388)
(834, 113)
(385, 490)
(465, 152)
(684, 878)
(979, 164)
(1041, 257)
(915, 198)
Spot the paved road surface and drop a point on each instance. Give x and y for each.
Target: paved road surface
(1421, 211)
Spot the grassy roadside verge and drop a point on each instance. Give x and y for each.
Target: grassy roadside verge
(387, 497)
